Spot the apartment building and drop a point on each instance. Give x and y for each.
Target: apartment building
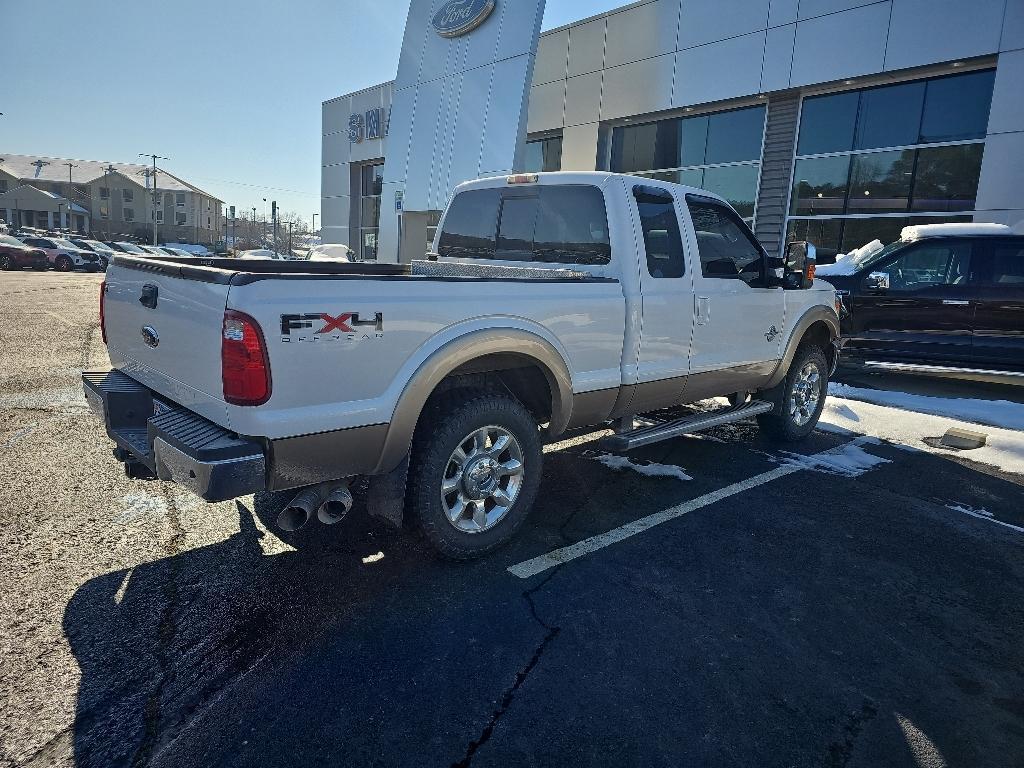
(117, 199)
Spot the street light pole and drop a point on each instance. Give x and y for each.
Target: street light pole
(313, 233)
(155, 158)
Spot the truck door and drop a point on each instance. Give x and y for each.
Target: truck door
(667, 289)
(999, 300)
(740, 322)
(922, 310)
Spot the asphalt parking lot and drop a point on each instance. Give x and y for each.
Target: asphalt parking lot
(762, 613)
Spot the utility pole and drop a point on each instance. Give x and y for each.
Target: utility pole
(313, 233)
(254, 230)
(155, 158)
(273, 217)
(290, 238)
(70, 165)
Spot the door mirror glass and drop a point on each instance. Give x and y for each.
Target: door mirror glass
(801, 262)
(877, 281)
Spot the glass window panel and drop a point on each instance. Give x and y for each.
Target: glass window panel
(819, 186)
(572, 226)
(694, 134)
(930, 264)
(947, 178)
(858, 232)
(553, 154)
(880, 182)
(516, 224)
(543, 155)
(890, 116)
(662, 240)
(691, 177)
(470, 224)
(373, 179)
(533, 156)
(827, 123)
(1007, 267)
(737, 184)
(368, 244)
(727, 249)
(735, 136)
(957, 107)
(824, 233)
(370, 211)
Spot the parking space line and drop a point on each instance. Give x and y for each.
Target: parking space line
(528, 568)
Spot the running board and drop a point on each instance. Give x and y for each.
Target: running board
(627, 441)
(949, 372)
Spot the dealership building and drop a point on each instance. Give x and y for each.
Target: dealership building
(836, 121)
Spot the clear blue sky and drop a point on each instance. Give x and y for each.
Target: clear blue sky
(229, 90)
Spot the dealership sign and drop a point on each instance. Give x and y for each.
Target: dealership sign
(457, 17)
(371, 125)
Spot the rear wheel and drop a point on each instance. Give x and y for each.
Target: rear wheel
(475, 469)
(799, 398)
(6, 263)
(63, 264)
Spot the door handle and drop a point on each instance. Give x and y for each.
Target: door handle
(955, 302)
(703, 309)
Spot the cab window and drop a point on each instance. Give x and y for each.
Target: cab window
(727, 249)
(1006, 265)
(928, 265)
(660, 226)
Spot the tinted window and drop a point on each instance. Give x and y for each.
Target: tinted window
(824, 233)
(737, 184)
(827, 123)
(735, 136)
(928, 265)
(646, 147)
(726, 247)
(890, 116)
(1007, 265)
(957, 107)
(572, 226)
(543, 155)
(515, 228)
(947, 178)
(660, 227)
(880, 182)
(694, 136)
(819, 185)
(470, 224)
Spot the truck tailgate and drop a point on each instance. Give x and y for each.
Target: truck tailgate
(164, 330)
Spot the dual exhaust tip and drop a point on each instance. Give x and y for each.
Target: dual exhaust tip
(329, 502)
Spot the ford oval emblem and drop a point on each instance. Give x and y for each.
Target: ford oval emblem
(457, 17)
(150, 336)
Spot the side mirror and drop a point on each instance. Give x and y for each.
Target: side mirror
(877, 282)
(801, 262)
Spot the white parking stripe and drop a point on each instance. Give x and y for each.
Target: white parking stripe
(542, 563)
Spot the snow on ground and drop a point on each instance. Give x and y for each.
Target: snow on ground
(996, 413)
(849, 460)
(1005, 448)
(982, 514)
(650, 470)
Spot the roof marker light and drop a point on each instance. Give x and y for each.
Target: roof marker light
(522, 178)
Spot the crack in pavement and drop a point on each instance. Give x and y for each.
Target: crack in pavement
(509, 696)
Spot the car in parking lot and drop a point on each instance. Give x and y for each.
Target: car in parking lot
(104, 251)
(331, 252)
(14, 254)
(63, 255)
(944, 300)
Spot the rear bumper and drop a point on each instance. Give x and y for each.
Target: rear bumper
(172, 442)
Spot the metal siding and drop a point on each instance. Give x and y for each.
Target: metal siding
(776, 170)
(930, 31)
(642, 32)
(709, 21)
(846, 44)
(717, 71)
(623, 98)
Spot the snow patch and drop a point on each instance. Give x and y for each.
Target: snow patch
(982, 514)
(620, 463)
(996, 413)
(848, 264)
(849, 460)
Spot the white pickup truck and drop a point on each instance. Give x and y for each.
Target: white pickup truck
(553, 302)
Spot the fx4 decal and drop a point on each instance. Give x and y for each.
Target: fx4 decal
(772, 334)
(347, 326)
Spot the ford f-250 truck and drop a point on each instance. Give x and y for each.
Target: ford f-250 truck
(553, 302)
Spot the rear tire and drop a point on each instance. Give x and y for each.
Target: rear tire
(798, 399)
(474, 473)
(6, 263)
(63, 264)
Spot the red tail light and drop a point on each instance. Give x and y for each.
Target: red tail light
(103, 318)
(245, 369)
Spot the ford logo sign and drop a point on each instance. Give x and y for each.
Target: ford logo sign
(457, 17)
(150, 336)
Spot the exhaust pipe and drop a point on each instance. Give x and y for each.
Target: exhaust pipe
(301, 508)
(335, 506)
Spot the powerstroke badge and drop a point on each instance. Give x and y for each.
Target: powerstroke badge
(320, 326)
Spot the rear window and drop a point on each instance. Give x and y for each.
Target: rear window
(563, 224)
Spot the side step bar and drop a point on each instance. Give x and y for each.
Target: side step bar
(949, 372)
(627, 441)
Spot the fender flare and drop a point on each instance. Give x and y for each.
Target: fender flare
(459, 351)
(817, 314)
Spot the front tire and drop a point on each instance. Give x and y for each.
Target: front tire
(475, 469)
(63, 264)
(799, 398)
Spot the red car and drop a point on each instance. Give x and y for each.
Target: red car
(14, 254)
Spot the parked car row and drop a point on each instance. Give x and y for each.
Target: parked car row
(65, 254)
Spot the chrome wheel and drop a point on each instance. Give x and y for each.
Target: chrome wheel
(805, 395)
(482, 479)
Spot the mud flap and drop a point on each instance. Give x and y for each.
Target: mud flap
(385, 498)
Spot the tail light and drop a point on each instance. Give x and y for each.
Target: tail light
(245, 369)
(103, 316)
